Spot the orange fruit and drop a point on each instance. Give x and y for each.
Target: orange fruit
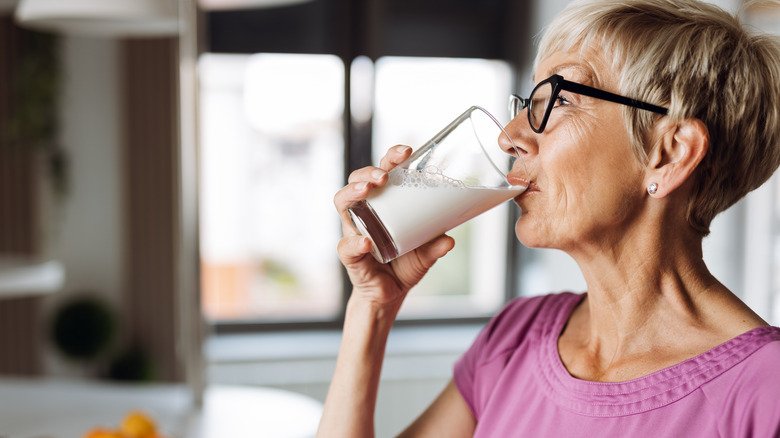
(138, 425)
(100, 432)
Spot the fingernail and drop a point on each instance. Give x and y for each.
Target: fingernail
(403, 150)
(360, 186)
(377, 174)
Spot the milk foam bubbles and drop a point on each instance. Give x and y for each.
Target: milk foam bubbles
(416, 206)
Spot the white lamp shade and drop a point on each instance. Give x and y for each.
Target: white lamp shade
(100, 17)
(216, 5)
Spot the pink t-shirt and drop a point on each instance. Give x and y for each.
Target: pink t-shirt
(515, 384)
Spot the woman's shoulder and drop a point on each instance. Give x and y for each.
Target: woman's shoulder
(747, 393)
(525, 319)
(756, 374)
(756, 354)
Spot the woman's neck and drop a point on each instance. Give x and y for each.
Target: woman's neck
(647, 292)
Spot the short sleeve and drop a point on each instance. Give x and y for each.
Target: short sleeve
(465, 367)
(503, 334)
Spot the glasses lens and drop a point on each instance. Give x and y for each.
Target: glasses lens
(515, 106)
(540, 99)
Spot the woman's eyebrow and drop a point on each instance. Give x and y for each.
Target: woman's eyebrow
(585, 71)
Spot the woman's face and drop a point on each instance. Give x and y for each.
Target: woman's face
(587, 185)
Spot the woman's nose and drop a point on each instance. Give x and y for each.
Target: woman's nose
(521, 136)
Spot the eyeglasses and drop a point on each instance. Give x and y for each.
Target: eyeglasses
(545, 97)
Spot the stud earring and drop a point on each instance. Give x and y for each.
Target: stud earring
(652, 188)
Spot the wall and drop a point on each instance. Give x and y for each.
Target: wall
(84, 230)
(113, 231)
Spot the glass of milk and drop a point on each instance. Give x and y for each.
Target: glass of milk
(458, 174)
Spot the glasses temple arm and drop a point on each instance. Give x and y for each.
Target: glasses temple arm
(606, 95)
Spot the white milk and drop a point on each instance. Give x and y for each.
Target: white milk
(415, 206)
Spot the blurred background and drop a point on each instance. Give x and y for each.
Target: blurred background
(167, 229)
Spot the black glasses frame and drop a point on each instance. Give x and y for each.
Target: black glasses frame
(517, 103)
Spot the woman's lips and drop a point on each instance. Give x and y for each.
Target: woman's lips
(516, 180)
(532, 188)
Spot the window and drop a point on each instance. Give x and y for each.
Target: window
(272, 157)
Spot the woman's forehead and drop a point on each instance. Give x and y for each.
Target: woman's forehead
(575, 65)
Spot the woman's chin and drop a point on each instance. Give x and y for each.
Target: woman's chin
(530, 236)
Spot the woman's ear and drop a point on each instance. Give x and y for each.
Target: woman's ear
(679, 149)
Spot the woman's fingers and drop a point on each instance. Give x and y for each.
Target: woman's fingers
(372, 174)
(362, 181)
(353, 248)
(344, 198)
(394, 156)
(350, 193)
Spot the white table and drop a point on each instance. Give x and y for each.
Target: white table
(255, 412)
(47, 408)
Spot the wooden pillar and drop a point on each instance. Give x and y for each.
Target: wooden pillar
(150, 141)
(19, 326)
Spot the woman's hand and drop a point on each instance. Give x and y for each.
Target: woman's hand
(381, 284)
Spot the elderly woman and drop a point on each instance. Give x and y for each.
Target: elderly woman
(649, 117)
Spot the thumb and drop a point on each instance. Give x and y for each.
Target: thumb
(411, 267)
(435, 249)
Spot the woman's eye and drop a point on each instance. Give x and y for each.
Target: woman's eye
(561, 101)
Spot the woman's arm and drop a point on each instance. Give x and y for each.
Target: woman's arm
(351, 400)
(448, 415)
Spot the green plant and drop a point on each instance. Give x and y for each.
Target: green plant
(33, 122)
(133, 364)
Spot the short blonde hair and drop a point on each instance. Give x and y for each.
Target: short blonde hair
(700, 62)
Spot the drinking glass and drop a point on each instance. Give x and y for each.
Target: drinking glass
(458, 174)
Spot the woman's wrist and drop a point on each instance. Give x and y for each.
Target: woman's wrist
(367, 325)
(379, 315)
